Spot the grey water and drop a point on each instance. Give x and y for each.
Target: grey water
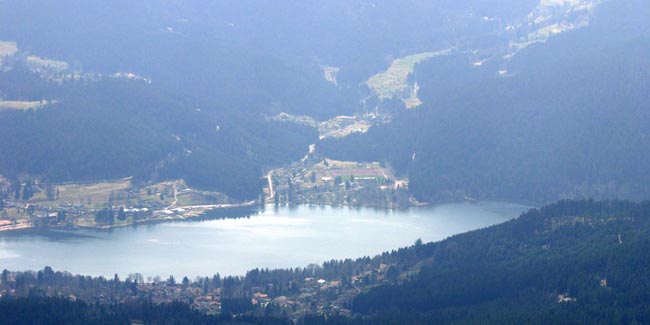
(273, 238)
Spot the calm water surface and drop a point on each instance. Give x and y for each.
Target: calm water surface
(275, 238)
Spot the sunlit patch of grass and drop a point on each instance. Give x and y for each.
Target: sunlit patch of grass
(8, 49)
(22, 105)
(38, 62)
(394, 81)
(87, 194)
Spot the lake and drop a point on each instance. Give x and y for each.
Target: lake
(274, 238)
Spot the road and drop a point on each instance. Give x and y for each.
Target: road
(269, 178)
(175, 198)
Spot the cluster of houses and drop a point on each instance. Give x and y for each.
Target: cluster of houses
(314, 295)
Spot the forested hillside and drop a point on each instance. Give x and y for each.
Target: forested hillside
(361, 37)
(39, 310)
(535, 101)
(117, 113)
(108, 128)
(570, 262)
(563, 119)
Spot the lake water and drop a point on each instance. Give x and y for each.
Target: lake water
(274, 238)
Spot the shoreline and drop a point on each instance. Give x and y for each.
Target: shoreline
(306, 212)
(190, 215)
(21, 226)
(196, 212)
(194, 215)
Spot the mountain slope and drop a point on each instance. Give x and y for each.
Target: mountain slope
(540, 125)
(359, 36)
(570, 262)
(109, 129)
(563, 119)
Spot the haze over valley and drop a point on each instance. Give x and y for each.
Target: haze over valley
(495, 151)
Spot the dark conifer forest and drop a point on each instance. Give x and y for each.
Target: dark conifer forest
(119, 114)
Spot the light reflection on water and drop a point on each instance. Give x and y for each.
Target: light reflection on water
(274, 238)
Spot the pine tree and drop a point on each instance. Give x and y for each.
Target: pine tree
(121, 215)
(28, 191)
(5, 277)
(186, 282)
(49, 192)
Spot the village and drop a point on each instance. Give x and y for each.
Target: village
(314, 180)
(102, 205)
(288, 293)
(317, 180)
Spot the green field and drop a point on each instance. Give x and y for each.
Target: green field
(123, 193)
(394, 81)
(539, 36)
(39, 62)
(22, 105)
(7, 48)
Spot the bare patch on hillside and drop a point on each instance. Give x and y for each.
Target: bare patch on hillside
(24, 105)
(394, 81)
(8, 49)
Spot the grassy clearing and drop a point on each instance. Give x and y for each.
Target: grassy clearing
(345, 169)
(577, 15)
(22, 105)
(193, 197)
(8, 48)
(298, 119)
(122, 193)
(332, 129)
(335, 164)
(394, 81)
(87, 194)
(549, 31)
(540, 36)
(412, 102)
(342, 126)
(38, 62)
(330, 73)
